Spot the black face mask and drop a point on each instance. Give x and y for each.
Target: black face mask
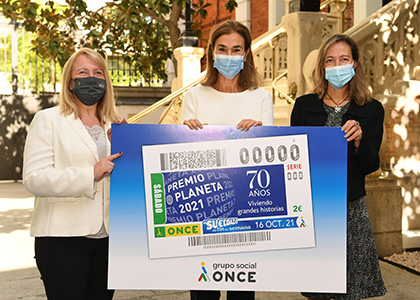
(89, 90)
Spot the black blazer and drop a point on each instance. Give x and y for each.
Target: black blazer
(309, 111)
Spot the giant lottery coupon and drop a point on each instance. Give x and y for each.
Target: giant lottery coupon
(227, 196)
(225, 209)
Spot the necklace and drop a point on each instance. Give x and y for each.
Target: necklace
(337, 108)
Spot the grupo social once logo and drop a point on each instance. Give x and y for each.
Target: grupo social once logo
(230, 272)
(204, 275)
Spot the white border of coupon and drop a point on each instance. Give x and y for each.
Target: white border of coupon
(290, 151)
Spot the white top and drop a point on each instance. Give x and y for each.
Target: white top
(97, 134)
(210, 106)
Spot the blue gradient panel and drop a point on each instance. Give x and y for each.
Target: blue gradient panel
(128, 232)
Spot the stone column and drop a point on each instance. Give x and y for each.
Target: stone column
(276, 10)
(291, 6)
(304, 31)
(364, 8)
(243, 12)
(15, 57)
(384, 205)
(189, 66)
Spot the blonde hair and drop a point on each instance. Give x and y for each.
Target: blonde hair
(248, 77)
(105, 110)
(358, 86)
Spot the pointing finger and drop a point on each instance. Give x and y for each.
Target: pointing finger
(114, 156)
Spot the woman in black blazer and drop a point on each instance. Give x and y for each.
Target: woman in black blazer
(342, 98)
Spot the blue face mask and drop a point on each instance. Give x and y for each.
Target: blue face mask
(228, 65)
(339, 76)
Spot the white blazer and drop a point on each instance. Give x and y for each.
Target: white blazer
(58, 169)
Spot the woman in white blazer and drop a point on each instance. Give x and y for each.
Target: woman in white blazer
(67, 167)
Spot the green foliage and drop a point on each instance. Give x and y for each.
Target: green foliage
(140, 40)
(143, 32)
(53, 25)
(199, 9)
(231, 5)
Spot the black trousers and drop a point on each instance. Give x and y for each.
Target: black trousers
(215, 295)
(73, 268)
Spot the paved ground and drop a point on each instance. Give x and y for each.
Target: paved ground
(19, 278)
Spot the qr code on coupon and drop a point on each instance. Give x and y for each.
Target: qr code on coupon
(201, 159)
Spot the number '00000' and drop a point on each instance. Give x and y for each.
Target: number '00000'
(257, 155)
